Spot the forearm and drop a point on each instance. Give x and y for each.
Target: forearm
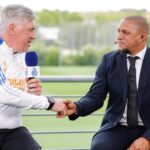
(17, 98)
(83, 107)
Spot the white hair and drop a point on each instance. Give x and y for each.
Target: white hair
(16, 14)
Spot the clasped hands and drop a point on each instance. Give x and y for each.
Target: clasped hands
(64, 108)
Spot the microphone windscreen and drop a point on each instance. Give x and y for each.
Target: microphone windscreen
(1, 40)
(31, 58)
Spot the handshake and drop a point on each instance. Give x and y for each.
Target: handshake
(64, 108)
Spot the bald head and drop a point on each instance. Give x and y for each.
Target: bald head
(133, 34)
(140, 22)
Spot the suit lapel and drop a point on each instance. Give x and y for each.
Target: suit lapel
(122, 71)
(145, 72)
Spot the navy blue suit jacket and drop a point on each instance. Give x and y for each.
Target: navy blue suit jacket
(111, 78)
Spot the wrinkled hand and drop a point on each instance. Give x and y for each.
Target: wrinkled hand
(34, 86)
(140, 144)
(60, 108)
(71, 107)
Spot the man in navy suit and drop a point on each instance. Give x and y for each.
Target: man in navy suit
(112, 78)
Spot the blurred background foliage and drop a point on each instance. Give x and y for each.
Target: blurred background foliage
(74, 38)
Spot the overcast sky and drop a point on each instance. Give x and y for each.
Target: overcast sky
(81, 5)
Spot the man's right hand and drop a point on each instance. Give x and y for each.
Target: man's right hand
(71, 107)
(64, 108)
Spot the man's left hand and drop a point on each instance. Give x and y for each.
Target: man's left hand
(140, 144)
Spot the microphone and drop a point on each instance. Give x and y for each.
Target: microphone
(115, 42)
(31, 60)
(1, 40)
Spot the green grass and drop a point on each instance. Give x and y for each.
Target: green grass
(65, 70)
(63, 140)
(51, 123)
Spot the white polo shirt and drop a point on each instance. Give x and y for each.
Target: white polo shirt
(12, 89)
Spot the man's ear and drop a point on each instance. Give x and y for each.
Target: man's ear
(11, 29)
(143, 36)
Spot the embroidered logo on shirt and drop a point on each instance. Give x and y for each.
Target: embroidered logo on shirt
(18, 83)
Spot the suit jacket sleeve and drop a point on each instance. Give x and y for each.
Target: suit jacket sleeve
(94, 99)
(147, 134)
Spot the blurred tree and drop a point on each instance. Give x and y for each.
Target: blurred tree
(86, 37)
(57, 18)
(52, 57)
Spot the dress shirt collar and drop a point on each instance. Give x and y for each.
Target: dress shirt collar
(141, 54)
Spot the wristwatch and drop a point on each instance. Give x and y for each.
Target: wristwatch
(51, 102)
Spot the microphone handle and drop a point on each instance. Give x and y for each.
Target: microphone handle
(31, 78)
